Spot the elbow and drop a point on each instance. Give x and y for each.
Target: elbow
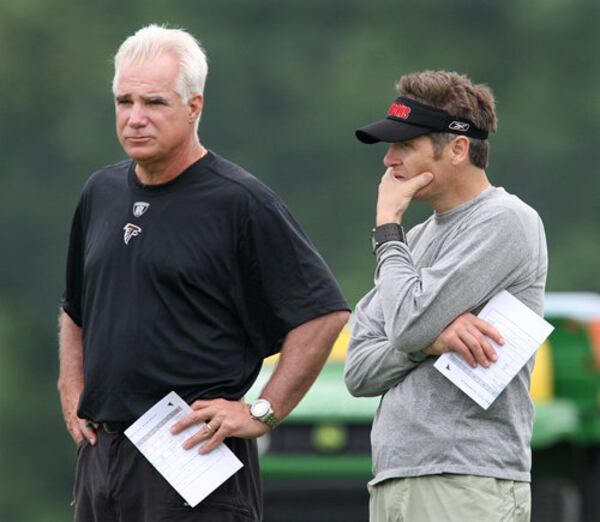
(351, 384)
(354, 387)
(357, 386)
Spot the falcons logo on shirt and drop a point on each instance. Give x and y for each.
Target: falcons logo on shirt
(130, 230)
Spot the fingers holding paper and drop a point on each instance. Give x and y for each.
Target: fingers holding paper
(216, 420)
(469, 336)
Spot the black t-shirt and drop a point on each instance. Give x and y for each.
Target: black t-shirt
(185, 286)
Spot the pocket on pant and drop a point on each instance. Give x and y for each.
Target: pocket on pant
(76, 472)
(217, 511)
(522, 496)
(220, 508)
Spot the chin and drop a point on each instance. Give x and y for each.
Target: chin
(139, 154)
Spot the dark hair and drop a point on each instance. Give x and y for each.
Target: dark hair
(459, 96)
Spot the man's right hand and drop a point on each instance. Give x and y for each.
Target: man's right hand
(468, 335)
(80, 429)
(77, 428)
(395, 195)
(88, 430)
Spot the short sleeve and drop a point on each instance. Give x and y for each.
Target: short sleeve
(71, 302)
(286, 282)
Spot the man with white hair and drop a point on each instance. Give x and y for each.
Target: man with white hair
(183, 273)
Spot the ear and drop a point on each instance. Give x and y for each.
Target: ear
(195, 105)
(458, 150)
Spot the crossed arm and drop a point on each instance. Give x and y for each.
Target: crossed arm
(373, 366)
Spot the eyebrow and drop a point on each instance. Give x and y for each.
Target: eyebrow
(155, 97)
(148, 98)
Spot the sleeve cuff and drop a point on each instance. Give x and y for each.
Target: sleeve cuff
(69, 310)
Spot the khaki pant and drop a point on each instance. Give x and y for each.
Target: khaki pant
(450, 498)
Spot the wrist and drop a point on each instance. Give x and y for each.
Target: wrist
(384, 233)
(384, 219)
(261, 410)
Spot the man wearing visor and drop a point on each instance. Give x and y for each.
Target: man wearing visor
(437, 455)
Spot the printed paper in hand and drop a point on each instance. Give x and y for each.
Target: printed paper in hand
(194, 476)
(523, 331)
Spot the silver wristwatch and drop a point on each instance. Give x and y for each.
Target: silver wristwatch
(262, 411)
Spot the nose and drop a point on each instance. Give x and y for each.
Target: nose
(392, 157)
(137, 116)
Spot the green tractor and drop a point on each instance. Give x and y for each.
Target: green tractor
(316, 464)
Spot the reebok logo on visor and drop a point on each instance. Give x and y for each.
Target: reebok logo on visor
(399, 110)
(459, 126)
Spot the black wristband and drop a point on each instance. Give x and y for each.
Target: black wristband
(385, 233)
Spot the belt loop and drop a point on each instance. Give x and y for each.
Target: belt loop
(113, 428)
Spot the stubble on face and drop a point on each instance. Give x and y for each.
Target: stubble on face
(150, 118)
(411, 158)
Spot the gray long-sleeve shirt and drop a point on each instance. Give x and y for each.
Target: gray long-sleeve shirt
(453, 262)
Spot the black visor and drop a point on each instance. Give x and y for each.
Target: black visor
(407, 119)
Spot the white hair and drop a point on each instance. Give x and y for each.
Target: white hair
(154, 40)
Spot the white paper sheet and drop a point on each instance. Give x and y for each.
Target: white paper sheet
(193, 476)
(523, 331)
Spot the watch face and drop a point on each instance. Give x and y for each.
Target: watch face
(260, 408)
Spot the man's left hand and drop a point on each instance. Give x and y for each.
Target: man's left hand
(223, 419)
(468, 336)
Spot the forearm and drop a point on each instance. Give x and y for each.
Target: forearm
(304, 352)
(416, 305)
(70, 380)
(70, 354)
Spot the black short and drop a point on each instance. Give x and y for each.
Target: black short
(115, 483)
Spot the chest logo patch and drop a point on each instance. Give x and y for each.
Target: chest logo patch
(139, 208)
(130, 230)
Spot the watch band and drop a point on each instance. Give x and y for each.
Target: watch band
(270, 420)
(384, 233)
